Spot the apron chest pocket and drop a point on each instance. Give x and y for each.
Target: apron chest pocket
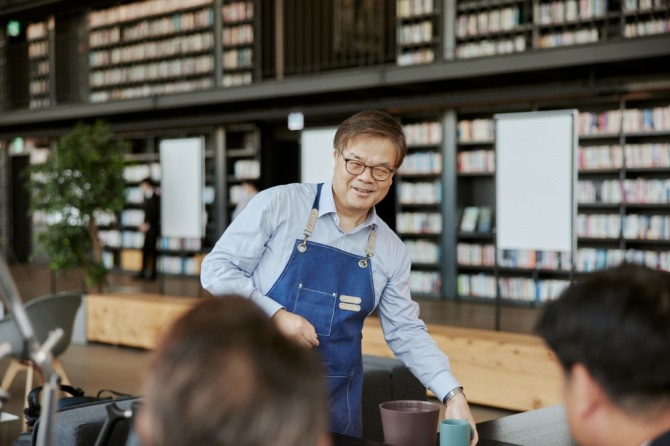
(317, 307)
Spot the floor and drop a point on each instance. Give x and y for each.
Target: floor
(96, 366)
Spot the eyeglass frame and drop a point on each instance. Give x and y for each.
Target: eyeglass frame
(365, 166)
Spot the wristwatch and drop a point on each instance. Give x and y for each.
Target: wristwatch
(452, 394)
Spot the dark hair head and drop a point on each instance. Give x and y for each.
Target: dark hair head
(149, 181)
(372, 124)
(224, 375)
(616, 323)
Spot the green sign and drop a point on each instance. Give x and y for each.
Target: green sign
(13, 28)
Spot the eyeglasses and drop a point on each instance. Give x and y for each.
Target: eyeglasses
(355, 167)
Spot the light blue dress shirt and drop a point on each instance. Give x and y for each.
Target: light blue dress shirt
(254, 249)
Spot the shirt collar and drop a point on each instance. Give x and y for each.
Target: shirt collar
(327, 206)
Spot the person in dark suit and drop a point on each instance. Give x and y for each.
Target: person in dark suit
(611, 334)
(151, 228)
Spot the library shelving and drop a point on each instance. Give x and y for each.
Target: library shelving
(149, 48)
(418, 203)
(243, 162)
(240, 34)
(39, 49)
(418, 31)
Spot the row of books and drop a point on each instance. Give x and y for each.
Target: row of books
(166, 26)
(413, 33)
(38, 49)
(475, 254)
(643, 5)
(238, 35)
(592, 259)
(39, 87)
(423, 133)
(410, 8)
(39, 30)
(419, 193)
(141, 91)
(237, 79)
(423, 251)
(139, 10)
(476, 161)
(516, 288)
(629, 120)
(173, 47)
(422, 163)
(413, 57)
(152, 71)
(635, 226)
(565, 38)
(132, 217)
(179, 265)
(134, 173)
(39, 68)
(487, 22)
(474, 130)
(428, 282)
(180, 243)
(247, 169)
(647, 28)
(476, 219)
(238, 58)
(638, 191)
(532, 259)
(557, 12)
(238, 11)
(419, 223)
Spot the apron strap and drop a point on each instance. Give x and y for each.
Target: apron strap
(370, 250)
(302, 247)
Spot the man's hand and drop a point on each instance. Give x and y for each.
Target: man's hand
(296, 328)
(457, 407)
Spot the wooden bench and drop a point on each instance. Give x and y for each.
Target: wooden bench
(498, 369)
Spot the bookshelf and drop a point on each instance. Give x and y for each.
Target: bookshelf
(240, 34)
(418, 31)
(150, 48)
(418, 203)
(243, 162)
(39, 38)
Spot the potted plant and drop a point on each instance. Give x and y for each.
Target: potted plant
(80, 181)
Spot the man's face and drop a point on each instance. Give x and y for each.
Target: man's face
(355, 195)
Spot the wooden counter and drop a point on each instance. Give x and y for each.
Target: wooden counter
(499, 369)
(132, 319)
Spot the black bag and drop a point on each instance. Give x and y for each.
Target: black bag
(77, 398)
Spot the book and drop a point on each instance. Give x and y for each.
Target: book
(485, 219)
(469, 219)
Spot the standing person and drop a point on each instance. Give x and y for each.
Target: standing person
(318, 260)
(249, 190)
(224, 375)
(611, 334)
(151, 228)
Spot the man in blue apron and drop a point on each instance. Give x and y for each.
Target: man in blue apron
(319, 260)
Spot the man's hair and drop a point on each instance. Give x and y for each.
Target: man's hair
(224, 375)
(616, 323)
(372, 124)
(149, 181)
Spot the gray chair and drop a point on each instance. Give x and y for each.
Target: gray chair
(45, 313)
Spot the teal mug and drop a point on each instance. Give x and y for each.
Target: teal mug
(454, 432)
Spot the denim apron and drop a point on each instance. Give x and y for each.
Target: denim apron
(333, 290)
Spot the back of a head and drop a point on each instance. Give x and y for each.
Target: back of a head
(616, 323)
(225, 376)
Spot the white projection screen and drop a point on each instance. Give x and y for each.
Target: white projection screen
(535, 180)
(182, 182)
(316, 155)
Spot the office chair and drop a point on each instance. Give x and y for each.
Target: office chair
(45, 313)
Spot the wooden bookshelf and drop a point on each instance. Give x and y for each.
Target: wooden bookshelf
(418, 200)
(150, 48)
(243, 161)
(39, 38)
(418, 37)
(240, 34)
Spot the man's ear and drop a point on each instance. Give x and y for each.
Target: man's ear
(586, 394)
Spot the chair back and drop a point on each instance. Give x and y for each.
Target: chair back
(45, 313)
